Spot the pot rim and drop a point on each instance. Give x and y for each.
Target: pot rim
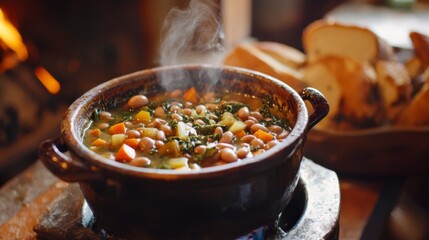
(85, 154)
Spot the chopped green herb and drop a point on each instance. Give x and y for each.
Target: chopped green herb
(96, 114)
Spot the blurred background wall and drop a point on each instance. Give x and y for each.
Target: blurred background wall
(79, 44)
(84, 43)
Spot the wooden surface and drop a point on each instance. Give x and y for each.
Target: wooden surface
(312, 213)
(25, 198)
(357, 202)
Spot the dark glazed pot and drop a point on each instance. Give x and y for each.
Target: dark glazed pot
(217, 202)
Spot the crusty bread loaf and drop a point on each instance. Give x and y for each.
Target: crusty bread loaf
(425, 76)
(283, 53)
(327, 37)
(395, 87)
(357, 71)
(351, 90)
(421, 47)
(414, 67)
(319, 76)
(248, 56)
(417, 112)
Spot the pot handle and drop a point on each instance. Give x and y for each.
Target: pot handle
(51, 153)
(319, 104)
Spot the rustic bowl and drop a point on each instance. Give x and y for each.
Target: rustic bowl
(217, 202)
(382, 151)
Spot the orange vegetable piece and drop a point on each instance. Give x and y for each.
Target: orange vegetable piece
(264, 136)
(170, 148)
(118, 128)
(95, 132)
(240, 134)
(191, 95)
(99, 142)
(143, 116)
(125, 153)
(132, 142)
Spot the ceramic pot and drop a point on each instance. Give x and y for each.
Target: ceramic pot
(216, 202)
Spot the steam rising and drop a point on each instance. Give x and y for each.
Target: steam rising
(192, 35)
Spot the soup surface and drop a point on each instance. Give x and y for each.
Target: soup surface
(186, 130)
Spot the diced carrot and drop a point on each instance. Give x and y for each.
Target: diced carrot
(99, 142)
(191, 95)
(95, 132)
(264, 136)
(118, 128)
(240, 134)
(132, 142)
(125, 153)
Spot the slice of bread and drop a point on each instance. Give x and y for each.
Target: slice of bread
(425, 76)
(395, 87)
(248, 56)
(319, 76)
(351, 90)
(327, 37)
(414, 67)
(283, 53)
(417, 112)
(421, 47)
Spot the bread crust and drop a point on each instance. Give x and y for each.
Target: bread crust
(283, 53)
(356, 70)
(351, 89)
(248, 56)
(421, 47)
(395, 87)
(417, 112)
(341, 39)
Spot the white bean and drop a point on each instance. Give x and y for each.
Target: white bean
(243, 113)
(159, 112)
(257, 143)
(225, 145)
(133, 133)
(140, 162)
(275, 129)
(106, 115)
(283, 135)
(200, 108)
(218, 130)
(146, 143)
(256, 115)
(242, 152)
(227, 137)
(247, 138)
(160, 135)
(138, 101)
(228, 155)
(255, 127)
(176, 116)
(200, 149)
(271, 144)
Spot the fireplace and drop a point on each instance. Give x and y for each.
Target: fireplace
(51, 52)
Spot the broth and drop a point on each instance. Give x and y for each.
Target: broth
(186, 130)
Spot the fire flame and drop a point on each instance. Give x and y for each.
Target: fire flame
(50, 83)
(11, 38)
